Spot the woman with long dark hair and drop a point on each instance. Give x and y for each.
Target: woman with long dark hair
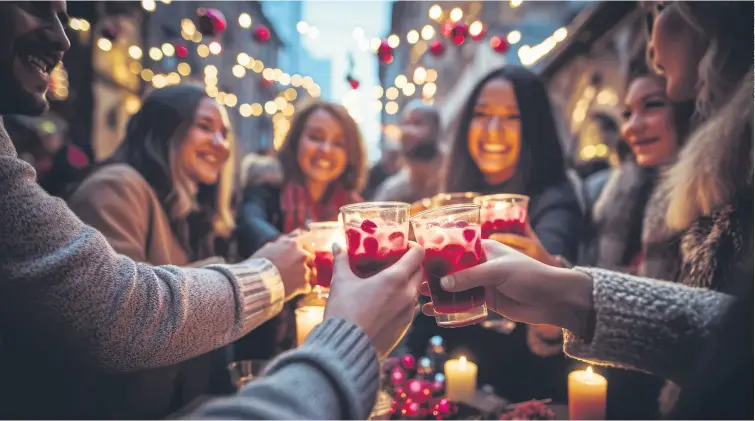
(164, 198)
(507, 143)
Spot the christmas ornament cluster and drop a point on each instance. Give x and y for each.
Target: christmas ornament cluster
(530, 410)
(457, 33)
(418, 385)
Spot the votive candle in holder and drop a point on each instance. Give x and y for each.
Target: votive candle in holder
(587, 395)
(461, 380)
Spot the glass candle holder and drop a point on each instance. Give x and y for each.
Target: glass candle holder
(503, 214)
(376, 235)
(451, 238)
(307, 318)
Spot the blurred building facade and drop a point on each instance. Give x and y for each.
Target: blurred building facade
(294, 57)
(446, 80)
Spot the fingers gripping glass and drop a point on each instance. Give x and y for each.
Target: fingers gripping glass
(451, 238)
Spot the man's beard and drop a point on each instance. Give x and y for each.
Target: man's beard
(423, 151)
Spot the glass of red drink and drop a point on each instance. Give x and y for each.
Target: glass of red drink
(322, 236)
(376, 235)
(451, 238)
(503, 214)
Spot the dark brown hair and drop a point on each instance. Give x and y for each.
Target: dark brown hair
(356, 157)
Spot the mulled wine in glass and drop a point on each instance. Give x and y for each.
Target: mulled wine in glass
(451, 238)
(503, 214)
(376, 235)
(322, 236)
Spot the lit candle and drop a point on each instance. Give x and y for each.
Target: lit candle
(306, 319)
(461, 380)
(587, 395)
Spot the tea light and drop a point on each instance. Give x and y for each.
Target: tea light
(461, 380)
(587, 395)
(307, 318)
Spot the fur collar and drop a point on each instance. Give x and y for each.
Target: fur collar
(715, 162)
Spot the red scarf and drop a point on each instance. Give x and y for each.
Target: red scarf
(298, 208)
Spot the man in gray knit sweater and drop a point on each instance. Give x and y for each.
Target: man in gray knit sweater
(67, 299)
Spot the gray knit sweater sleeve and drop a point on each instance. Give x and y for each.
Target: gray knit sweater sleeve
(332, 376)
(647, 325)
(62, 284)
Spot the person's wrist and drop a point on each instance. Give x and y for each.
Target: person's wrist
(574, 307)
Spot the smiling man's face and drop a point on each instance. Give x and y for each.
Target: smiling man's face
(32, 43)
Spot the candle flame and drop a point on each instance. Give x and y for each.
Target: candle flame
(589, 369)
(462, 362)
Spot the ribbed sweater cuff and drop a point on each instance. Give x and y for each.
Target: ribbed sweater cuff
(345, 354)
(259, 290)
(644, 324)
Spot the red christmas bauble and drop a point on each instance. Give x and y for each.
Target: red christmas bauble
(446, 28)
(261, 33)
(412, 409)
(444, 406)
(459, 32)
(437, 48)
(181, 51)
(397, 376)
(414, 388)
(499, 44)
(385, 52)
(479, 36)
(211, 21)
(408, 361)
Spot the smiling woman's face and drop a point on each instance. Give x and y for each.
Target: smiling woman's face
(495, 132)
(322, 148)
(648, 122)
(205, 149)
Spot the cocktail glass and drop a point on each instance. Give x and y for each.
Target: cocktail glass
(503, 213)
(322, 236)
(445, 199)
(450, 236)
(376, 235)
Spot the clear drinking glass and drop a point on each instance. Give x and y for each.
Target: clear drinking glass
(321, 237)
(450, 236)
(503, 213)
(244, 371)
(376, 235)
(445, 199)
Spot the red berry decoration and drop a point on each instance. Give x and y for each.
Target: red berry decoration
(446, 28)
(261, 34)
(414, 388)
(398, 376)
(459, 32)
(181, 51)
(408, 361)
(437, 48)
(353, 82)
(385, 52)
(211, 21)
(499, 44)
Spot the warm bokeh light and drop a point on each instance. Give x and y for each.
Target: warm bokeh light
(210, 70)
(412, 36)
(513, 37)
(243, 59)
(476, 28)
(245, 21)
(420, 74)
(429, 90)
(168, 49)
(435, 12)
(149, 5)
(400, 81)
(409, 89)
(391, 93)
(432, 75)
(105, 44)
(257, 110)
(391, 107)
(456, 14)
(394, 41)
(428, 32)
(183, 69)
(215, 48)
(378, 90)
(203, 50)
(135, 52)
(239, 71)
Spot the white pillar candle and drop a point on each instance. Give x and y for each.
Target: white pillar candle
(461, 380)
(587, 395)
(307, 318)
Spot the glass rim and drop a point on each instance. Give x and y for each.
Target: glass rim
(461, 207)
(323, 224)
(493, 197)
(470, 194)
(374, 205)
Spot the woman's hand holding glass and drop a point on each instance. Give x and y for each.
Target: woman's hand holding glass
(528, 244)
(382, 305)
(294, 263)
(526, 290)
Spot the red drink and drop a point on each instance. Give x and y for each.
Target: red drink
(451, 239)
(324, 266)
(503, 214)
(374, 247)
